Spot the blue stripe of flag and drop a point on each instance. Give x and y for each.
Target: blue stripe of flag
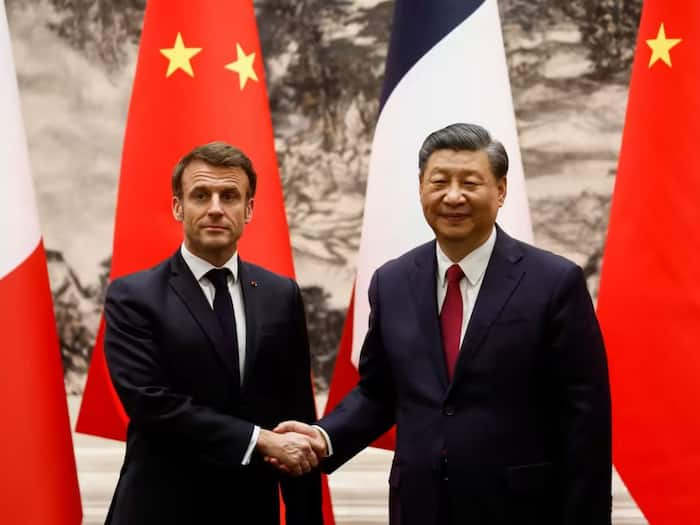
(418, 25)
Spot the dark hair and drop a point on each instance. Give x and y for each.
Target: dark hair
(217, 154)
(470, 137)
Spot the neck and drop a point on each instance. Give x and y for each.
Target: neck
(456, 250)
(216, 257)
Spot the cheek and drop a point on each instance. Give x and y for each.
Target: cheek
(431, 202)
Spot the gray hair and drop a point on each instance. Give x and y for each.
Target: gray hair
(469, 137)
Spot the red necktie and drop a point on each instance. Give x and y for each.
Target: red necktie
(451, 318)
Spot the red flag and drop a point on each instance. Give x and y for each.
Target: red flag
(38, 479)
(345, 376)
(649, 301)
(199, 78)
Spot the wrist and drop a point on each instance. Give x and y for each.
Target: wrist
(266, 438)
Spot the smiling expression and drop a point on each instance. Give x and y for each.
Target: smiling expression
(460, 197)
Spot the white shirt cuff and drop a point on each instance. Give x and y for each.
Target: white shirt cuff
(327, 439)
(251, 445)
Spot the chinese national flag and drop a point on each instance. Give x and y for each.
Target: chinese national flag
(649, 301)
(199, 78)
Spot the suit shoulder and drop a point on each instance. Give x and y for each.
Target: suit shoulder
(549, 267)
(141, 280)
(546, 260)
(258, 275)
(405, 261)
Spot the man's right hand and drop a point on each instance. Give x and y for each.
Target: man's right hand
(313, 436)
(291, 451)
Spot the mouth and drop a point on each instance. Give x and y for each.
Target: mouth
(454, 217)
(214, 228)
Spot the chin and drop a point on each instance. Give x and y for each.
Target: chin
(454, 234)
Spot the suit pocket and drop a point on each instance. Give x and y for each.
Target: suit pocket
(534, 478)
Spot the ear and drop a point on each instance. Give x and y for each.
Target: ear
(249, 210)
(178, 212)
(502, 186)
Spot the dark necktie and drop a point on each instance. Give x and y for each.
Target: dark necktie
(451, 318)
(223, 308)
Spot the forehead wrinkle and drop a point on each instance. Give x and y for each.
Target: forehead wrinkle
(208, 179)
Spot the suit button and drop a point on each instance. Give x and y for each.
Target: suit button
(449, 410)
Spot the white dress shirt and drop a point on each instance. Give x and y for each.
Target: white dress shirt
(474, 267)
(199, 267)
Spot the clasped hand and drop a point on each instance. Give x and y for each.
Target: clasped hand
(293, 447)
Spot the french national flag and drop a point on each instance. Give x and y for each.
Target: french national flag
(38, 478)
(446, 64)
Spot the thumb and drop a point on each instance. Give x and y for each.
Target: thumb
(295, 426)
(286, 426)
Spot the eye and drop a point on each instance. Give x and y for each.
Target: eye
(229, 196)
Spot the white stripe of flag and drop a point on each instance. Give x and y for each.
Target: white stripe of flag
(464, 78)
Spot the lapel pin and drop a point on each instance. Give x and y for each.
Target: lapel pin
(254, 284)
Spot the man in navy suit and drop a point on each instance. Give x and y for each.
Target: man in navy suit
(486, 354)
(207, 353)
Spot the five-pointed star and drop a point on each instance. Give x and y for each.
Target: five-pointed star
(243, 66)
(660, 47)
(180, 56)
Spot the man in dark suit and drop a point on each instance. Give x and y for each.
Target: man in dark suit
(207, 352)
(486, 354)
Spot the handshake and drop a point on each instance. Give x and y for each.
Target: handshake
(293, 447)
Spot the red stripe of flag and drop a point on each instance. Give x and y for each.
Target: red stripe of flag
(38, 480)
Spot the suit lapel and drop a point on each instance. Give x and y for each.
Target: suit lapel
(251, 302)
(187, 288)
(503, 274)
(423, 283)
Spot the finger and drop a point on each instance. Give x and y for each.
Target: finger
(283, 468)
(273, 461)
(290, 426)
(319, 446)
(297, 470)
(312, 458)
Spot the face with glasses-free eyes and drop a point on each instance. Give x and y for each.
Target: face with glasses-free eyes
(214, 209)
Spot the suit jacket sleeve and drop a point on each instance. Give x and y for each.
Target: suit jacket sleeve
(369, 409)
(138, 376)
(302, 495)
(585, 418)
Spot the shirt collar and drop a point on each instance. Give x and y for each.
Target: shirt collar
(199, 266)
(473, 264)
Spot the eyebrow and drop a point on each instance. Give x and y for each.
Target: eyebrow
(458, 171)
(208, 186)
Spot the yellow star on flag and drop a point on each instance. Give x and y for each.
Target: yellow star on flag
(180, 56)
(661, 47)
(243, 66)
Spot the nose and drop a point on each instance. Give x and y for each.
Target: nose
(215, 205)
(454, 194)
